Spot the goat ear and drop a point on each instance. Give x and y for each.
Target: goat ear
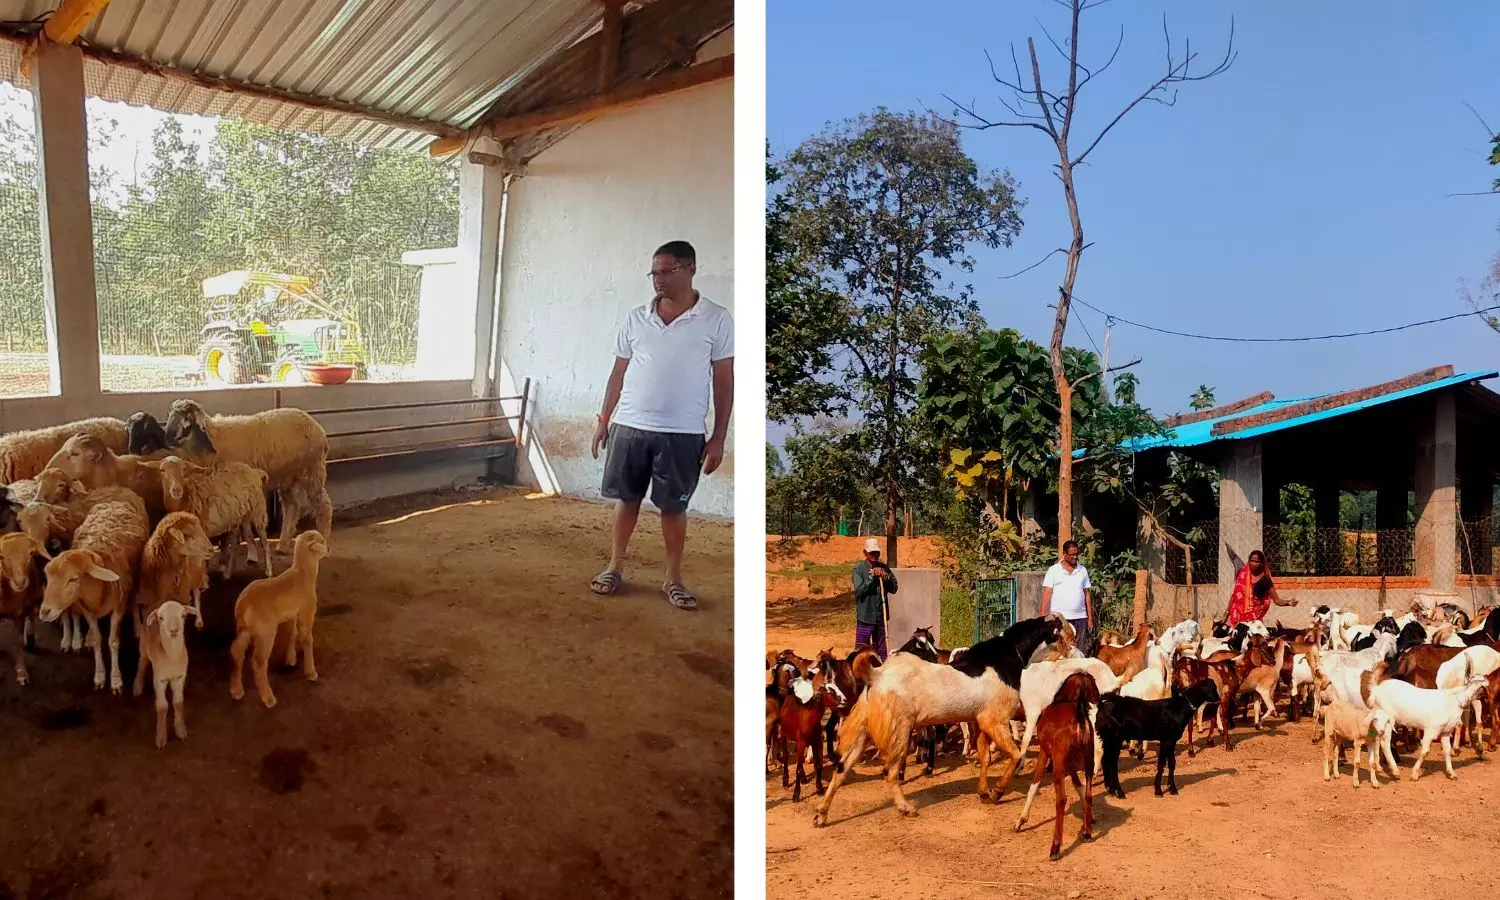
(103, 574)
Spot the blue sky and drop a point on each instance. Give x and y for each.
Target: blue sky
(1301, 192)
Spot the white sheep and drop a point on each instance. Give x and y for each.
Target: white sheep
(24, 454)
(1435, 712)
(164, 650)
(287, 444)
(228, 498)
(97, 577)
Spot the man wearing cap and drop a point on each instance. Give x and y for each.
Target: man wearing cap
(869, 599)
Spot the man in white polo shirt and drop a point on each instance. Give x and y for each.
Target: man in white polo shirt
(1066, 590)
(669, 355)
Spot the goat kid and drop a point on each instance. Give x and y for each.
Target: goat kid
(1065, 743)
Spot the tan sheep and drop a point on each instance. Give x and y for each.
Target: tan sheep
(174, 567)
(89, 461)
(50, 485)
(23, 454)
(43, 522)
(20, 590)
(287, 444)
(228, 498)
(264, 605)
(97, 575)
(164, 651)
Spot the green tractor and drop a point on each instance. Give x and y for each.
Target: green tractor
(272, 335)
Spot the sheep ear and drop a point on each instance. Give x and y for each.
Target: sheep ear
(41, 549)
(151, 464)
(152, 617)
(103, 574)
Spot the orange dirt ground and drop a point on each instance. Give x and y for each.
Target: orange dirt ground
(483, 726)
(783, 585)
(1257, 822)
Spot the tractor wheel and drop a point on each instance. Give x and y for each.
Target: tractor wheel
(222, 362)
(285, 370)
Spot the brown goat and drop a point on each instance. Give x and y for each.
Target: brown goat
(1225, 675)
(1065, 740)
(1126, 661)
(801, 722)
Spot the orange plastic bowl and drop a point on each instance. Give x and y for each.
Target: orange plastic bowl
(327, 373)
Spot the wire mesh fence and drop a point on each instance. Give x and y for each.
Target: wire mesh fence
(178, 201)
(25, 367)
(1312, 550)
(994, 607)
(1477, 545)
(1203, 538)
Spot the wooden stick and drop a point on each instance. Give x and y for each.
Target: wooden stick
(609, 56)
(633, 94)
(983, 883)
(20, 36)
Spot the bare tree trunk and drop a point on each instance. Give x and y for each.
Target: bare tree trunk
(1052, 114)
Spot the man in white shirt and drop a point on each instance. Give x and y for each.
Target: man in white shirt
(1066, 590)
(669, 353)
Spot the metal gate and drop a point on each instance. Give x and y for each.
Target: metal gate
(994, 606)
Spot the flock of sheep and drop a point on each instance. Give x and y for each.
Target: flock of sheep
(1430, 675)
(102, 519)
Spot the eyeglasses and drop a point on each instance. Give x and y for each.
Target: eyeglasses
(665, 272)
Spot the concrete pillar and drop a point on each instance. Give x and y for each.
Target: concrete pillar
(1328, 544)
(1240, 506)
(67, 226)
(1477, 508)
(481, 199)
(1437, 498)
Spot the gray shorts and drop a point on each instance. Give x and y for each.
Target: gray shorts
(668, 464)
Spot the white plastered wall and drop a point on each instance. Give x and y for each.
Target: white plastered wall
(580, 229)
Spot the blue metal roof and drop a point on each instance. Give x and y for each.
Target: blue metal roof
(1199, 433)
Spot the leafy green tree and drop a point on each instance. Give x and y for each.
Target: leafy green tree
(1203, 398)
(883, 208)
(827, 474)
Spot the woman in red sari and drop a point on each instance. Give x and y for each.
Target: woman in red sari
(1254, 592)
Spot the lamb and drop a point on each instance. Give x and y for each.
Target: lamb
(174, 567)
(24, 454)
(88, 460)
(229, 499)
(164, 651)
(97, 577)
(1122, 719)
(1434, 712)
(287, 444)
(1065, 738)
(263, 606)
(20, 591)
(1342, 722)
(905, 693)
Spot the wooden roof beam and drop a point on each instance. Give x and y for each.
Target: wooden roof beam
(1332, 401)
(64, 26)
(1227, 409)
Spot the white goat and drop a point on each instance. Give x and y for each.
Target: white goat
(164, 650)
(1436, 713)
(1040, 682)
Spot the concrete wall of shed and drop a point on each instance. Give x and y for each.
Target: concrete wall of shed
(1240, 509)
(581, 225)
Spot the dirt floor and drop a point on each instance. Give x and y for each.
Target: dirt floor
(819, 567)
(483, 726)
(1255, 822)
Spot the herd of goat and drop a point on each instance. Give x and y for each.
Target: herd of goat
(109, 520)
(1429, 675)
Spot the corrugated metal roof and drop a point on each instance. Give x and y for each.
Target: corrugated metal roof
(445, 61)
(1199, 433)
